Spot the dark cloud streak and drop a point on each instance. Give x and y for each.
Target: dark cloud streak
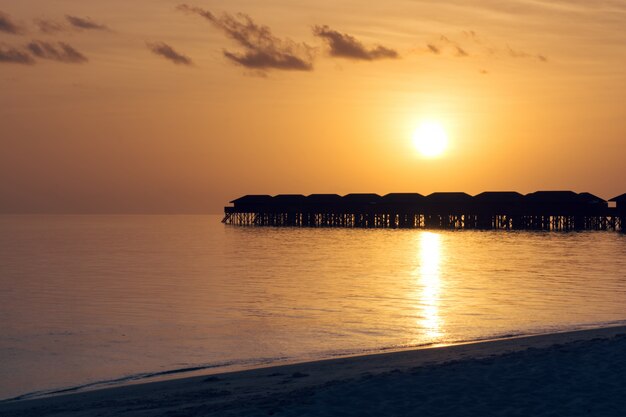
(85, 23)
(8, 26)
(434, 49)
(63, 53)
(460, 52)
(11, 55)
(167, 52)
(262, 50)
(343, 45)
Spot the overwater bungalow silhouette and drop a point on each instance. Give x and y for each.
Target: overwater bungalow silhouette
(551, 202)
(497, 209)
(448, 210)
(400, 209)
(540, 210)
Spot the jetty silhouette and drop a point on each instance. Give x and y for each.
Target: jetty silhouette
(490, 210)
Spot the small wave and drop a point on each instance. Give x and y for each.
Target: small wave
(140, 377)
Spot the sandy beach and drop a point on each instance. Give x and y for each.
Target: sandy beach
(571, 374)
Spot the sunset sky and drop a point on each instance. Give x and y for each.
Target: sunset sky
(170, 106)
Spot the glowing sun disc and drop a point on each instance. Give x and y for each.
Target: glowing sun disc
(430, 139)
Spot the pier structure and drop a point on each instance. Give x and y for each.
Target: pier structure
(491, 210)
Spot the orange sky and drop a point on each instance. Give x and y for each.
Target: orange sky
(149, 107)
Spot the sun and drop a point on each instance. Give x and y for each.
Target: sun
(430, 139)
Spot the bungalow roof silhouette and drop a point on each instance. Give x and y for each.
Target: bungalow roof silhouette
(289, 202)
(498, 200)
(253, 199)
(323, 202)
(447, 202)
(591, 198)
(289, 198)
(499, 197)
(620, 202)
(359, 201)
(403, 198)
(361, 198)
(449, 197)
(619, 199)
(547, 197)
(323, 198)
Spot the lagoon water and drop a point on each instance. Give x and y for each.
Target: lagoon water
(91, 299)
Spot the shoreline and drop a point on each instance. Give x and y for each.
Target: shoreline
(264, 363)
(218, 390)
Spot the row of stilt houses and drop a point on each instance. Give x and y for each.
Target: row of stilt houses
(541, 210)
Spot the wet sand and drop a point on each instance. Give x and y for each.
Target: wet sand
(574, 374)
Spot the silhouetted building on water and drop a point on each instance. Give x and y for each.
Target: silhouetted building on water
(507, 210)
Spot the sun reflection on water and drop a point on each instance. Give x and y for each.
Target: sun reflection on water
(429, 282)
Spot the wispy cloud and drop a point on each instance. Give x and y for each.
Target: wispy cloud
(49, 26)
(11, 55)
(478, 46)
(514, 53)
(343, 45)
(446, 43)
(72, 23)
(8, 26)
(262, 50)
(167, 52)
(85, 23)
(61, 52)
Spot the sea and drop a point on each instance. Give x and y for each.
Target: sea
(96, 301)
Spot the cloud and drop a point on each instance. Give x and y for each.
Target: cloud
(166, 51)
(49, 26)
(85, 23)
(8, 26)
(75, 23)
(262, 50)
(460, 52)
(434, 49)
(10, 55)
(515, 53)
(458, 49)
(63, 53)
(521, 54)
(472, 35)
(346, 46)
(480, 47)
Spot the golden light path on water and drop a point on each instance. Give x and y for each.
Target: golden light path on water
(429, 284)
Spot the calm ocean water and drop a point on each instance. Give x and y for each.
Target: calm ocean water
(89, 299)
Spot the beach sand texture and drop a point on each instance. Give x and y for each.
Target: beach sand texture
(580, 373)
